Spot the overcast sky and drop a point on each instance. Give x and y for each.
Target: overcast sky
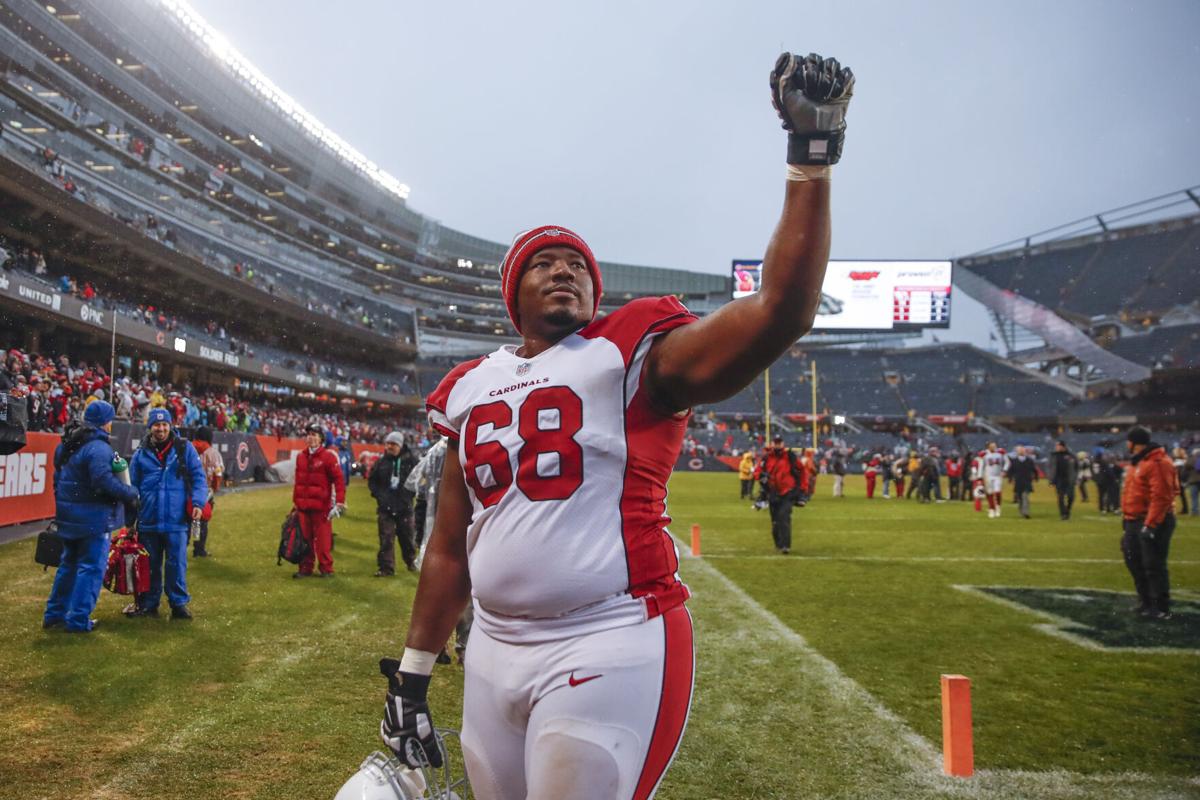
(647, 126)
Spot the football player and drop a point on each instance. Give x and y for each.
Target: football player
(552, 519)
(995, 467)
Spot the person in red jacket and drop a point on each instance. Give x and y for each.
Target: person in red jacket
(781, 475)
(1148, 508)
(870, 472)
(319, 495)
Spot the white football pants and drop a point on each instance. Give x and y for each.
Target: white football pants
(595, 717)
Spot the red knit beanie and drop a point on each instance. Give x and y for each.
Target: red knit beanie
(523, 248)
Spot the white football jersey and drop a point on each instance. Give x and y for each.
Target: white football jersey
(566, 464)
(995, 465)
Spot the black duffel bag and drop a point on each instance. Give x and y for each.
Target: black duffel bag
(49, 547)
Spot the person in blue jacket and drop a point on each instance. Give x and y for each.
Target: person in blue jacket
(345, 457)
(166, 472)
(89, 505)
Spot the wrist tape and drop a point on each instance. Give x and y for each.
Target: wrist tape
(418, 662)
(808, 172)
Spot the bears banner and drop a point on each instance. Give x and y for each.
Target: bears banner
(27, 480)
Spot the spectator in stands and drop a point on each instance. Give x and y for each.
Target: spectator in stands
(214, 471)
(89, 505)
(1148, 510)
(319, 495)
(746, 474)
(169, 477)
(781, 475)
(1022, 471)
(1064, 474)
(394, 505)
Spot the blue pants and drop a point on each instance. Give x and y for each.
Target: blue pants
(172, 547)
(77, 582)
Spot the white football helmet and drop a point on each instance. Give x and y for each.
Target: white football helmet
(382, 776)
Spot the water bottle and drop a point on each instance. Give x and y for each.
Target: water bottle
(120, 468)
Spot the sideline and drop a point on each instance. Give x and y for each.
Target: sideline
(24, 530)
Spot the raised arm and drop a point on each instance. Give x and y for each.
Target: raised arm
(719, 355)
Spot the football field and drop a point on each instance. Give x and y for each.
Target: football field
(818, 672)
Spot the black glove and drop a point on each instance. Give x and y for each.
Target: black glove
(1147, 533)
(811, 95)
(407, 728)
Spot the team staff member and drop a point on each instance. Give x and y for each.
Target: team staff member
(89, 504)
(782, 476)
(167, 473)
(394, 505)
(319, 494)
(1022, 470)
(1148, 507)
(746, 474)
(552, 511)
(1064, 474)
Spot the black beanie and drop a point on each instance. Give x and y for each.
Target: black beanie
(1138, 435)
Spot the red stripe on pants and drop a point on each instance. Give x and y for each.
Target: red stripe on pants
(318, 530)
(675, 702)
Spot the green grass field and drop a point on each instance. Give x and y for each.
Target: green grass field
(817, 674)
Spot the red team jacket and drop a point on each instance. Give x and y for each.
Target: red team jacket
(317, 477)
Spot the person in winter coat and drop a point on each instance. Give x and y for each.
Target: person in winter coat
(839, 474)
(214, 469)
(1022, 471)
(781, 475)
(394, 502)
(167, 473)
(319, 495)
(746, 474)
(1084, 473)
(89, 505)
(1107, 474)
(1148, 509)
(345, 457)
(1064, 474)
(870, 471)
(1191, 479)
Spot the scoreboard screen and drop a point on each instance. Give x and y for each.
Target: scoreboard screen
(871, 295)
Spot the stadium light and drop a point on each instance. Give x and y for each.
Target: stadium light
(220, 47)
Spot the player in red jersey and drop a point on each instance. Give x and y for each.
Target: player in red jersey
(552, 519)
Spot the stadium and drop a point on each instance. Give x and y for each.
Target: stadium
(177, 232)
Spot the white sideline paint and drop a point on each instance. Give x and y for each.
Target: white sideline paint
(921, 757)
(152, 765)
(909, 746)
